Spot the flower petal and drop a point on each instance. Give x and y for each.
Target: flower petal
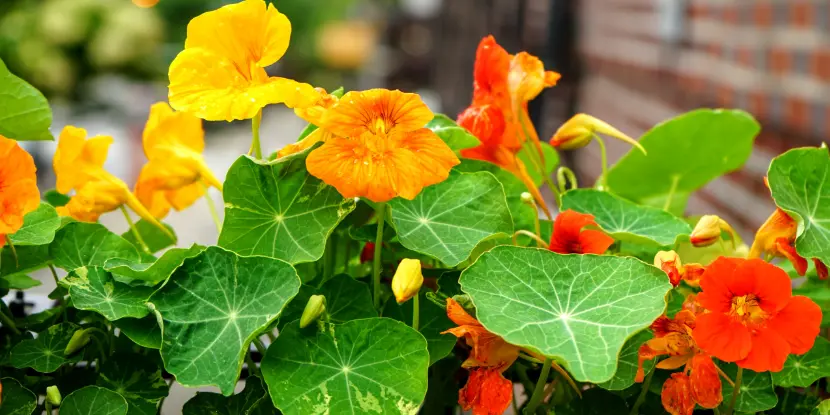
(704, 382)
(715, 282)
(677, 395)
(378, 111)
(722, 337)
(772, 286)
(77, 158)
(487, 392)
(458, 315)
(769, 352)
(594, 242)
(435, 156)
(798, 323)
(485, 121)
(19, 194)
(490, 71)
(166, 128)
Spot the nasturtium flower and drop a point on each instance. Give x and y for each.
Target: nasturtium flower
(408, 280)
(19, 194)
(670, 263)
(379, 148)
(570, 237)
(220, 74)
(708, 231)
(580, 129)
(753, 319)
(776, 238)
(314, 115)
(487, 392)
(176, 174)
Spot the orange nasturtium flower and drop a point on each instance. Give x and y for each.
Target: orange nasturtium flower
(776, 238)
(79, 166)
(753, 319)
(176, 174)
(487, 392)
(698, 383)
(670, 263)
(220, 74)
(314, 115)
(502, 87)
(18, 187)
(569, 237)
(379, 148)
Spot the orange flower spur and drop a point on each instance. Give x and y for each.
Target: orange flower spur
(569, 237)
(753, 319)
(18, 187)
(379, 148)
(775, 238)
(220, 74)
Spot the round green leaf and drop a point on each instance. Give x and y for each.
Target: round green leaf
(38, 228)
(145, 332)
(580, 309)
(94, 400)
(137, 379)
(346, 299)
(277, 209)
(457, 138)
(80, 244)
(152, 272)
(24, 112)
(627, 221)
(212, 307)
(15, 399)
(449, 219)
(92, 288)
(375, 365)
(155, 239)
(433, 321)
(253, 400)
(628, 363)
(45, 353)
(684, 153)
(802, 370)
(800, 183)
(757, 393)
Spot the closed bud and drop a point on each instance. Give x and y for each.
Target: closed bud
(53, 395)
(578, 131)
(407, 280)
(80, 338)
(708, 231)
(314, 308)
(669, 262)
(527, 198)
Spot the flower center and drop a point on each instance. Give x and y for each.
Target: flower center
(747, 310)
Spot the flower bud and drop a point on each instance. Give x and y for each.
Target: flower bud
(578, 131)
(669, 262)
(145, 3)
(407, 280)
(80, 338)
(708, 231)
(53, 395)
(527, 198)
(314, 308)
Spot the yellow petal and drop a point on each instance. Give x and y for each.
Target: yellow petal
(310, 140)
(166, 128)
(407, 280)
(378, 111)
(77, 158)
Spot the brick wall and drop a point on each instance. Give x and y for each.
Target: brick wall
(769, 57)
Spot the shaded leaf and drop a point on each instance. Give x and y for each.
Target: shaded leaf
(80, 244)
(38, 228)
(152, 272)
(253, 400)
(45, 353)
(550, 162)
(346, 299)
(93, 400)
(803, 370)
(137, 379)
(757, 393)
(628, 362)
(595, 402)
(15, 399)
(155, 239)
(18, 282)
(145, 332)
(92, 288)
(24, 112)
(457, 138)
(433, 320)
(29, 258)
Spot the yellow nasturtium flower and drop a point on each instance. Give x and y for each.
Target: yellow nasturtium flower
(220, 74)
(314, 115)
(578, 131)
(176, 174)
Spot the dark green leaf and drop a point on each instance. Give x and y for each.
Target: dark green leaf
(253, 400)
(802, 370)
(39, 227)
(29, 258)
(137, 379)
(145, 332)
(82, 244)
(757, 393)
(55, 198)
(152, 272)
(92, 288)
(94, 400)
(15, 399)
(45, 353)
(212, 307)
(346, 299)
(628, 363)
(155, 239)
(457, 138)
(595, 402)
(433, 321)
(24, 112)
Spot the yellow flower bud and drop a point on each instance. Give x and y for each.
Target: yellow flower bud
(314, 308)
(407, 280)
(578, 131)
(708, 231)
(80, 338)
(527, 198)
(53, 395)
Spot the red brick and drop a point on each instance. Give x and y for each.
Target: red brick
(758, 104)
(745, 56)
(801, 14)
(797, 114)
(698, 10)
(820, 64)
(715, 50)
(725, 96)
(779, 60)
(763, 14)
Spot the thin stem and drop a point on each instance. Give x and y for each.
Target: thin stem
(538, 392)
(212, 207)
(725, 376)
(259, 346)
(328, 258)
(672, 189)
(8, 322)
(346, 266)
(252, 369)
(735, 391)
(716, 410)
(604, 155)
(381, 214)
(271, 336)
(54, 274)
(531, 235)
(643, 393)
(48, 406)
(416, 311)
(102, 356)
(14, 252)
(134, 230)
(111, 338)
(255, 145)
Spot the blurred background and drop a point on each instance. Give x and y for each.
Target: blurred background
(632, 63)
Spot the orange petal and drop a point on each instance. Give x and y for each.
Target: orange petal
(435, 156)
(787, 250)
(769, 352)
(19, 194)
(717, 282)
(772, 286)
(677, 395)
(594, 242)
(798, 323)
(458, 315)
(778, 225)
(643, 354)
(378, 111)
(487, 392)
(673, 362)
(722, 337)
(486, 122)
(491, 68)
(316, 136)
(704, 382)
(527, 77)
(821, 269)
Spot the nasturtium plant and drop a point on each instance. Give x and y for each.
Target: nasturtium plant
(392, 260)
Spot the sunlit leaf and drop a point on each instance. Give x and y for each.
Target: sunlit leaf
(823, 408)
(82, 244)
(39, 227)
(152, 272)
(93, 400)
(457, 138)
(24, 112)
(212, 307)
(94, 289)
(18, 282)
(757, 393)
(15, 399)
(802, 370)
(137, 379)
(45, 353)
(374, 365)
(433, 320)
(449, 219)
(579, 309)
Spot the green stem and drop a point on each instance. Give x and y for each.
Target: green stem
(346, 267)
(252, 369)
(54, 274)
(538, 392)
(8, 322)
(271, 336)
(376, 265)
(48, 407)
(259, 346)
(643, 393)
(672, 189)
(716, 410)
(101, 353)
(134, 230)
(212, 207)
(416, 311)
(111, 338)
(735, 391)
(604, 155)
(328, 258)
(255, 145)
(14, 252)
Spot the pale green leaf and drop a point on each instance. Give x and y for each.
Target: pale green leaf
(802, 370)
(757, 393)
(145, 332)
(433, 321)
(533, 163)
(253, 400)
(628, 363)
(457, 138)
(94, 289)
(346, 299)
(447, 220)
(80, 244)
(18, 282)
(137, 379)
(822, 409)
(212, 307)
(152, 272)
(45, 353)
(800, 183)
(627, 221)
(154, 237)
(579, 309)
(684, 153)
(38, 228)
(24, 112)
(93, 400)
(15, 399)
(277, 209)
(374, 365)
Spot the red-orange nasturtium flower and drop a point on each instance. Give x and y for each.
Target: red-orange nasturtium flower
(18, 187)
(176, 174)
(379, 148)
(776, 238)
(699, 382)
(753, 319)
(670, 263)
(487, 392)
(570, 237)
(220, 74)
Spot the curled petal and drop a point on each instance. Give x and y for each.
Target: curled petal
(458, 315)
(704, 382)
(677, 395)
(778, 225)
(784, 247)
(376, 111)
(821, 269)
